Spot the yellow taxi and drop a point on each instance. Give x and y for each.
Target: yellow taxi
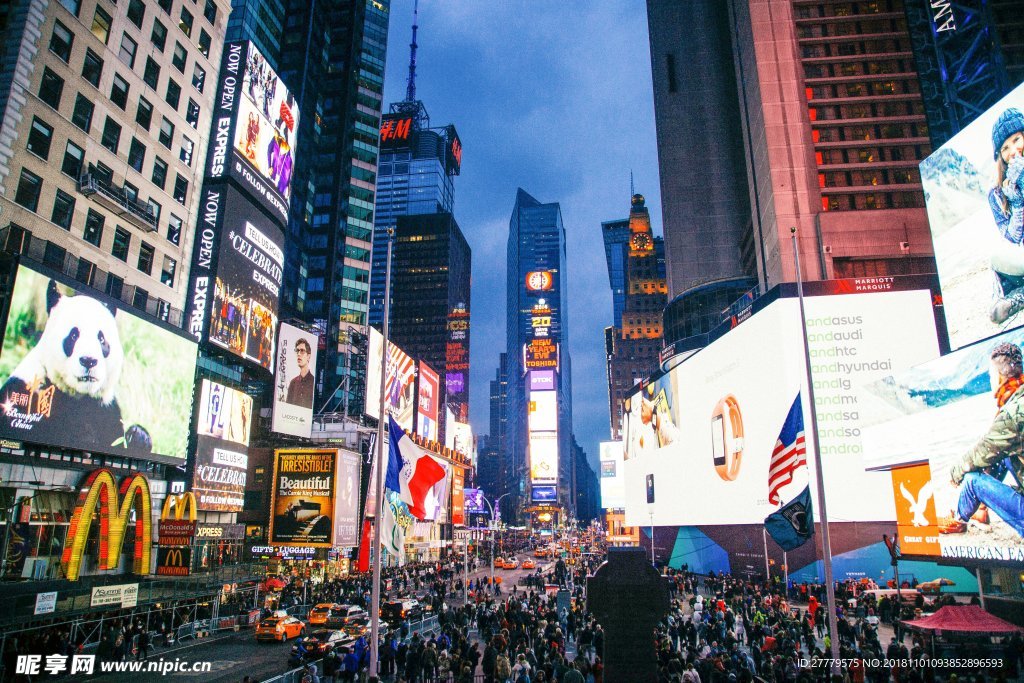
(318, 615)
(279, 628)
(529, 564)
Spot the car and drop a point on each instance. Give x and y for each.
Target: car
(320, 642)
(395, 611)
(318, 615)
(540, 553)
(511, 563)
(529, 564)
(280, 628)
(343, 614)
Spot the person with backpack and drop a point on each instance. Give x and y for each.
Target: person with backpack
(521, 671)
(503, 668)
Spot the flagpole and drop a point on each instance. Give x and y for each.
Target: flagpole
(826, 545)
(767, 572)
(378, 485)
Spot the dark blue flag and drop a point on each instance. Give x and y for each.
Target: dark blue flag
(793, 524)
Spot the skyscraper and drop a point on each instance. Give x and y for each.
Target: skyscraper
(538, 439)
(634, 342)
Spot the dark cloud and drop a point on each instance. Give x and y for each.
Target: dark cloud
(555, 98)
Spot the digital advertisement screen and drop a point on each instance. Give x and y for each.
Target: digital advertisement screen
(544, 494)
(458, 495)
(737, 392)
(303, 497)
(400, 376)
(543, 411)
(428, 398)
(346, 518)
(223, 424)
(462, 438)
(540, 354)
(475, 501)
(542, 380)
(974, 191)
(613, 482)
(78, 371)
(456, 361)
(295, 381)
(543, 457)
(938, 427)
(257, 117)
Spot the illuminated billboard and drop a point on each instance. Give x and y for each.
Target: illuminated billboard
(540, 281)
(974, 190)
(543, 457)
(304, 499)
(236, 276)
(295, 381)
(458, 515)
(542, 411)
(428, 401)
(255, 122)
(400, 375)
(542, 380)
(397, 130)
(613, 482)
(223, 424)
(460, 436)
(79, 371)
(540, 354)
(942, 428)
(715, 420)
(456, 362)
(475, 501)
(544, 494)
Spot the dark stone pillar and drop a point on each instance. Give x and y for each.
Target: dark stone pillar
(628, 597)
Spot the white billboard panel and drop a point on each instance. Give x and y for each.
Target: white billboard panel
(613, 481)
(543, 411)
(544, 457)
(295, 381)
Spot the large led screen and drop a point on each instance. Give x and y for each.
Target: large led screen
(295, 381)
(461, 435)
(974, 189)
(223, 424)
(613, 482)
(716, 418)
(79, 371)
(400, 385)
(428, 401)
(940, 430)
(475, 500)
(255, 122)
(304, 497)
(543, 411)
(543, 457)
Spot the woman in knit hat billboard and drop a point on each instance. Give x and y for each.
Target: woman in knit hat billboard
(1006, 199)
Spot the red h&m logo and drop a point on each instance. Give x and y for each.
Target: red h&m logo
(395, 129)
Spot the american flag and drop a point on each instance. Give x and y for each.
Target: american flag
(790, 452)
(401, 371)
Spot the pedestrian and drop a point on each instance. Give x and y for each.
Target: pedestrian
(143, 646)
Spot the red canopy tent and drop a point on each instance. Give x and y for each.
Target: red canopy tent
(962, 619)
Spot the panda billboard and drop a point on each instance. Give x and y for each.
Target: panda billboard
(235, 282)
(77, 371)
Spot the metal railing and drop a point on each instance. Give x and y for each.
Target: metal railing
(117, 200)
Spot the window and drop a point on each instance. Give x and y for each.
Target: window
(159, 35)
(92, 68)
(136, 155)
(146, 255)
(210, 11)
(40, 135)
(136, 12)
(82, 116)
(174, 225)
(180, 188)
(179, 57)
(122, 242)
(63, 209)
(52, 87)
(128, 49)
(119, 91)
(166, 133)
(198, 78)
(173, 96)
(73, 6)
(144, 113)
(155, 209)
(54, 255)
(115, 286)
(185, 153)
(192, 113)
(159, 172)
(103, 172)
(165, 5)
(140, 298)
(61, 41)
(111, 135)
(74, 157)
(204, 43)
(131, 192)
(29, 187)
(185, 23)
(151, 74)
(167, 274)
(101, 25)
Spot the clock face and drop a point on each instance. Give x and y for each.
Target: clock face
(539, 281)
(641, 241)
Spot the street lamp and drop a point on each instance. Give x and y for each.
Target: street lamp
(492, 508)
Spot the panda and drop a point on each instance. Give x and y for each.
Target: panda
(63, 390)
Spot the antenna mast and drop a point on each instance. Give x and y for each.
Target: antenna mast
(410, 88)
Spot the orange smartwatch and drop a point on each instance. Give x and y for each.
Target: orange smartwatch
(727, 438)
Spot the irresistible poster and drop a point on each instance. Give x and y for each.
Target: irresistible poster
(295, 381)
(302, 506)
(223, 424)
(78, 371)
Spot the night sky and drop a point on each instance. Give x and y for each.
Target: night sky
(554, 98)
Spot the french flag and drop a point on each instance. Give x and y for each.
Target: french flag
(412, 471)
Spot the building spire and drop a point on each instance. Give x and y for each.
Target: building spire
(631, 190)
(410, 88)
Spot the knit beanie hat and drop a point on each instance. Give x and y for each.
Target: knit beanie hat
(1009, 122)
